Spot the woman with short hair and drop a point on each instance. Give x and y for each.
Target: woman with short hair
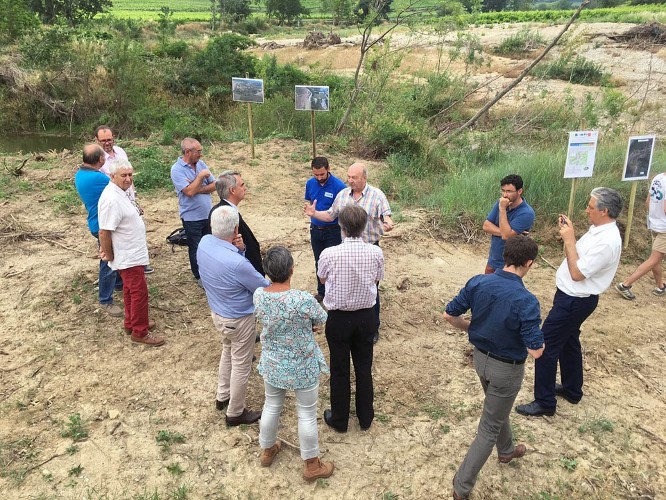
(290, 359)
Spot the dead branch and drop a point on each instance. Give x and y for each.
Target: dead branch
(514, 83)
(652, 434)
(63, 246)
(544, 259)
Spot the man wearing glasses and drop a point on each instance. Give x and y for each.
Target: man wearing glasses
(194, 184)
(511, 215)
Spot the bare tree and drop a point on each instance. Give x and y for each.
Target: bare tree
(366, 28)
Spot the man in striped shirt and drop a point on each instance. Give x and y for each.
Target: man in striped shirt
(371, 199)
(350, 272)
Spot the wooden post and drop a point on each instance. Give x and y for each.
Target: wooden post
(572, 197)
(249, 121)
(314, 139)
(630, 216)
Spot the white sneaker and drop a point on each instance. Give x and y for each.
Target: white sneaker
(659, 291)
(113, 310)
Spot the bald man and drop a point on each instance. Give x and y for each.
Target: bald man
(371, 199)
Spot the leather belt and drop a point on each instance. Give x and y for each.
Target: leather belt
(500, 358)
(324, 228)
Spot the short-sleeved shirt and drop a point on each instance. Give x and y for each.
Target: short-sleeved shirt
(505, 315)
(373, 201)
(325, 196)
(89, 184)
(290, 355)
(656, 215)
(598, 257)
(227, 277)
(520, 219)
(352, 270)
(118, 214)
(191, 208)
(119, 155)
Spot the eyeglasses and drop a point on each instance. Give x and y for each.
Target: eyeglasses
(105, 140)
(196, 150)
(508, 191)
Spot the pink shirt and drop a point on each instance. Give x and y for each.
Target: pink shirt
(352, 270)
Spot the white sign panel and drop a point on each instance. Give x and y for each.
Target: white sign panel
(581, 153)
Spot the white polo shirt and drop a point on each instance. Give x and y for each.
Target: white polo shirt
(598, 257)
(128, 232)
(656, 215)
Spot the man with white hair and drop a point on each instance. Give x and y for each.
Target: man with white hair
(194, 184)
(122, 236)
(586, 272)
(372, 200)
(230, 280)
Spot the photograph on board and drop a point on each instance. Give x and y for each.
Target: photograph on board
(311, 98)
(247, 90)
(639, 158)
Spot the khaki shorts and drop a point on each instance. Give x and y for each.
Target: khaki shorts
(659, 242)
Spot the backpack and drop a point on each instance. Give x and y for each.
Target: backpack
(177, 237)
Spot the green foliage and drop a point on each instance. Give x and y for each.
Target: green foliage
(16, 20)
(48, 48)
(66, 199)
(75, 471)
(72, 11)
(569, 464)
(235, 10)
(279, 78)
(340, 10)
(175, 469)
(152, 167)
(520, 43)
(211, 69)
(373, 10)
(596, 426)
(166, 27)
(285, 11)
(75, 428)
(175, 50)
(166, 438)
(574, 69)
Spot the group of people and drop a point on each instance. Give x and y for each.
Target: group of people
(346, 225)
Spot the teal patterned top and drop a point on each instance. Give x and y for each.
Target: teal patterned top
(290, 355)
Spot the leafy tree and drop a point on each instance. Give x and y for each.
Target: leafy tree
(376, 9)
(73, 11)
(235, 10)
(285, 11)
(341, 10)
(494, 5)
(210, 70)
(16, 19)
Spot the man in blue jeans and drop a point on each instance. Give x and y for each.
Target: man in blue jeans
(90, 183)
(322, 187)
(194, 184)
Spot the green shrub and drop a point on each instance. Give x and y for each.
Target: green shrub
(574, 70)
(175, 50)
(16, 20)
(520, 43)
(152, 168)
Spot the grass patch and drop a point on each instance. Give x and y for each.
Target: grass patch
(572, 69)
(569, 464)
(75, 428)
(434, 411)
(166, 438)
(175, 469)
(520, 43)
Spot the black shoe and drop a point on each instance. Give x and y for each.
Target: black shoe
(247, 417)
(560, 391)
(328, 416)
(534, 409)
(257, 338)
(221, 405)
(375, 338)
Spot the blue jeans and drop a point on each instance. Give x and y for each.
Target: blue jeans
(306, 406)
(321, 239)
(561, 332)
(195, 230)
(109, 280)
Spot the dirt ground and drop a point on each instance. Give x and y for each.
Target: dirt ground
(60, 356)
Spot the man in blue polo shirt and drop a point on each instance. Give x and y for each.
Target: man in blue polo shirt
(194, 184)
(323, 187)
(504, 328)
(511, 215)
(90, 183)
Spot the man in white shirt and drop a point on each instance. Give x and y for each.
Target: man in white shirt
(122, 236)
(586, 272)
(657, 225)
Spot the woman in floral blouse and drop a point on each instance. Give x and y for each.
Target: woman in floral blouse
(290, 359)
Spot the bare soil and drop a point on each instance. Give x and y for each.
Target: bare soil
(61, 356)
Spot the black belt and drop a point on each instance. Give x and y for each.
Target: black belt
(324, 228)
(500, 358)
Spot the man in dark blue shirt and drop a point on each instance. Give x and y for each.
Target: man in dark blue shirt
(323, 187)
(504, 329)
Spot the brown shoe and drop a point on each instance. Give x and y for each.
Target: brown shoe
(268, 454)
(518, 452)
(313, 468)
(455, 495)
(112, 310)
(148, 339)
(247, 417)
(151, 325)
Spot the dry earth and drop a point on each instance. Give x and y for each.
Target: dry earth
(60, 356)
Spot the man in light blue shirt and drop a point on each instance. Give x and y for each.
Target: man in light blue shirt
(230, 280)
(194, 184)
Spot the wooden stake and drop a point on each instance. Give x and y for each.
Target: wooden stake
(572, 197)
(630, 216)
(314, 140)
(249, 122)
